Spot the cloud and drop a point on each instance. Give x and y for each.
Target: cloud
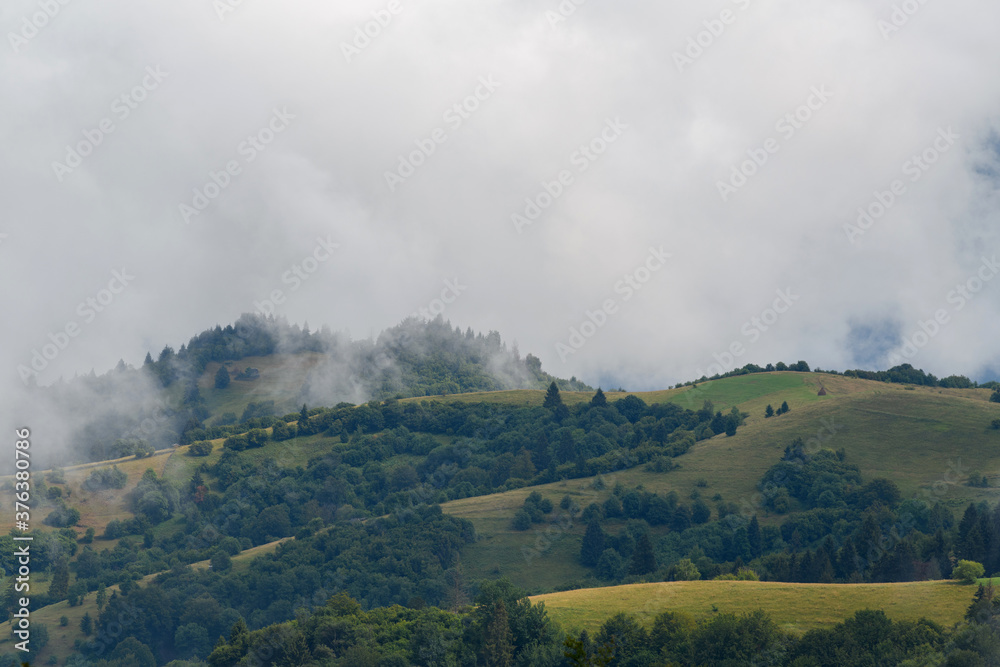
(559, 83)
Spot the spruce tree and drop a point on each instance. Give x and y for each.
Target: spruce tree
(552, 397)
(593, 544)
(753, 536)
(643, 559)
(599, 400)
(59, 587)
(769, 411)
(498, 648)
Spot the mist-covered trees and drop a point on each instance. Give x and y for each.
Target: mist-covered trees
(222, 378)
(105, 478)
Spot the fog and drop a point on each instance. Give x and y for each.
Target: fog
(619, 188)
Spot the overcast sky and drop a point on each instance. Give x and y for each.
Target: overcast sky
(348, 157)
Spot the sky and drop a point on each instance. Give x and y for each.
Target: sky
(638, 193)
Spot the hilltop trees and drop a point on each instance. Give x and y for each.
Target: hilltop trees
(553, 401)
(599, 400)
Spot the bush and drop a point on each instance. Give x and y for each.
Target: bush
(967, 571)
(63, 517)
(685, 570)
(522, 520)
(200, 448)
(610, 566)
(106, 479)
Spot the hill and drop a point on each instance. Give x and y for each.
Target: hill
(360, 472)
(795, 607)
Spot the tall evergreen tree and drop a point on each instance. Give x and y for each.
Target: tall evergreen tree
(59, 588)
(599, 400)
(754, 538)
(593, 544)
(552, 397)
(768, 411)
(498, 649)
(643, 559)
(847, 560)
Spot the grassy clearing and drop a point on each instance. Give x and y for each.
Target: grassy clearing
(795, 607)
(281, 379)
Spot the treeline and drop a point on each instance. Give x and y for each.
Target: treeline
(901, 374)
(841, 529)
(504, 629)
(414, 358)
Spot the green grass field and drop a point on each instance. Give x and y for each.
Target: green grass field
(795, 607)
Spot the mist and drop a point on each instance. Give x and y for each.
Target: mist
(511, 166)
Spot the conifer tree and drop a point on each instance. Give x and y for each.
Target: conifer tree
(643, 559)
(599, 400)
(499, 646)
(593, 544)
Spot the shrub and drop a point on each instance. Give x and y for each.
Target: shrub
(685, 570)
(967, 571)
(200, 448)
(106, 479)
(522, 520)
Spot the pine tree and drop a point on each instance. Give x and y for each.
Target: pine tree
(643, 559)
(552, 397)
(303, 415)
(769, 411)
(593, 544)
(86, 624)
(540, 454)
(59, 588)
(754, 538)
(599, 400)
(499, 646)
(784, 408)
